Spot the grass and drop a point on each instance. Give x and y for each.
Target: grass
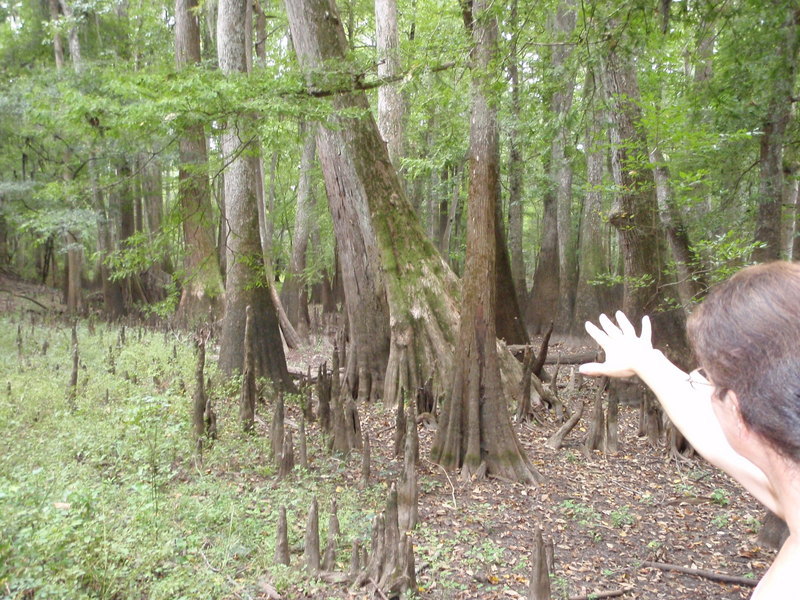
(106, 499)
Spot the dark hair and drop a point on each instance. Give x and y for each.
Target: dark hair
(746, 334)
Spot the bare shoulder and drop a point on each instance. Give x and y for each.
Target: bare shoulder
(782, 580)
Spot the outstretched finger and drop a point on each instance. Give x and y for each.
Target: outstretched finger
(598, 334)
(647, 330)
(625, 324)
(609, 327)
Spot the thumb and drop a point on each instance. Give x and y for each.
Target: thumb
(592, 369)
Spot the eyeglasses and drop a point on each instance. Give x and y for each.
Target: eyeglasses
(699, 378)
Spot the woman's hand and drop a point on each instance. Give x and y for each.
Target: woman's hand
(623, 348)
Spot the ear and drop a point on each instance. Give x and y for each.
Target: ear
(730, 403)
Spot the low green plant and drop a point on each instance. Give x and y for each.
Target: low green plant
(720, 497)
(622, 517)
(721, 521)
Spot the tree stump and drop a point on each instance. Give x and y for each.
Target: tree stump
(400, 424)
(199, 400)
(407, 489)
(302, 451)
(324, 384)
(311, 545)
(539, 587)
(596, 436)
(352, 422)
(247, 399)
(276, 430)
(365, 462)
(287, 457)
(282, 539)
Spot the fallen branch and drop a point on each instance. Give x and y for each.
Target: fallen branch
(25, 298)
(574, 358)
(703, 573)
(608, 594)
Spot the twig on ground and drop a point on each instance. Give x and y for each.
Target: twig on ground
(452, 487)
(608, 594)
(712, 575)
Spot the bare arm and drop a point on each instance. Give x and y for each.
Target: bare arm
(688, 407)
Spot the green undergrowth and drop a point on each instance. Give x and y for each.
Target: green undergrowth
(103, 497)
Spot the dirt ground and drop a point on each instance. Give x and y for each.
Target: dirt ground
(605, 515)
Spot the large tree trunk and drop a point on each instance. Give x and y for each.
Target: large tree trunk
(201, 297)
(475, 432)
(391, 107)
(563, 23)
(246, 281)
(421, 291)
(635, 215)
(771, 182)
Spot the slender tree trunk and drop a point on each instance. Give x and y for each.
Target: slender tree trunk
(74, 263)
(543, 299)
(201, 297)
(771, 179)
(515, 172)
(391, 107)
(246, 281)
(58, 45)
(293, 293)
(592, 244)
(562, 26)
(475, 432)
(691, 280)
(73, 42)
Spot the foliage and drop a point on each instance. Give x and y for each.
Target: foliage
(107, 499)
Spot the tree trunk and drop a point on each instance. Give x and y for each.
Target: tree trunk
(201, 297)
(515, 173)
(293, 293)
(475, 432)
(391, 108)
(58, 45)
(508, 315)
(378, 235)
(562, 25)
(635, 215)
(691, 280)
(771, 179)
(590, 300)
(246, 281)
(543, 299)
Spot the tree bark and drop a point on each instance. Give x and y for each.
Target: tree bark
(771, 178)
(635, 215)
(378, 235)
(201, 296)
(293, 293)
(562, 26)
(515, 172)
(246, 281)
(590, 300)
(475, 432)
(691, 278)
(391, 107)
